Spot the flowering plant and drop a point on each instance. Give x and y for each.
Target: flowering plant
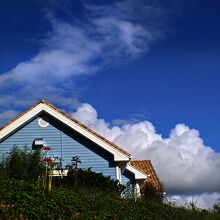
(23, 163)
(46, 148)
(49, 168)
(47, 159)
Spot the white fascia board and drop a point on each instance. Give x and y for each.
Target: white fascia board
(137, 173)
(118, 155)
(20, 121)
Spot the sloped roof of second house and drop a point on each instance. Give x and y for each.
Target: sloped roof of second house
(147, 167)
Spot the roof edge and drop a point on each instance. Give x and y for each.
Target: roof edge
(19, 116)
(43, 101)
(139, 174)
(152, 175)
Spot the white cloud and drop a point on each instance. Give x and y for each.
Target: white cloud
(107, 35)
(204, 200)
(182, 161)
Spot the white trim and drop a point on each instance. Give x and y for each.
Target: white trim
(138, 174)
(118, 155)
(60, 173)
(138, 191)
(21, 120)
(118, 173)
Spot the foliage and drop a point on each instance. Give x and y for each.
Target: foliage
(79, 178)
(97, 198)
(23, 200)
(129, 192)
(149, 192)
(22, 164)
(216, 208)
(75, 161)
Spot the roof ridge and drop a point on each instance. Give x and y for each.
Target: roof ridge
(71, 118)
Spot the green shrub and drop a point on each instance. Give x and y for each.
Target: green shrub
(129, 192)
(149, 192)
(86, 178)
(21, 199)
(216, 208)
(22, 164)
(25, 200)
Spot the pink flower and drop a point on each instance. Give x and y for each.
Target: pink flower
(53, 163)
(46, 148)
(47, 159)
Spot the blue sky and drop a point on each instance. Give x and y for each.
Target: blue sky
(130, 61)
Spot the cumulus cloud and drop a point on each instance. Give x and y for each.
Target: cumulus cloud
(204, 200)
(182, 161)
(106, 35)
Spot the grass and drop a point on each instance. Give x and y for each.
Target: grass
(24, 200)
(83, 194)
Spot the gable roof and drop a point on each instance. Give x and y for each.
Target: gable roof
(142, 169)
(147, 167)
(43, 106)
(10, 122)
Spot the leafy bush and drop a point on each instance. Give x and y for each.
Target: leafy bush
(82, 178)
(22, 164)
(149, 192)
(216, 207)
(129, 192)
(23, 200)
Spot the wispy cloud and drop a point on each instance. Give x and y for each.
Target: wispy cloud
(107, 35)
(139, 116)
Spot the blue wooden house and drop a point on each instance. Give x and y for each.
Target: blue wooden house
(44, 124)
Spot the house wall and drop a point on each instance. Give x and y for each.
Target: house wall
(124, 179)
(127, 177)
(64, 143)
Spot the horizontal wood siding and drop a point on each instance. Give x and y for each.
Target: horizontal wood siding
(124, 179)
(64, 143)
(27, 134)
(89, 158)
